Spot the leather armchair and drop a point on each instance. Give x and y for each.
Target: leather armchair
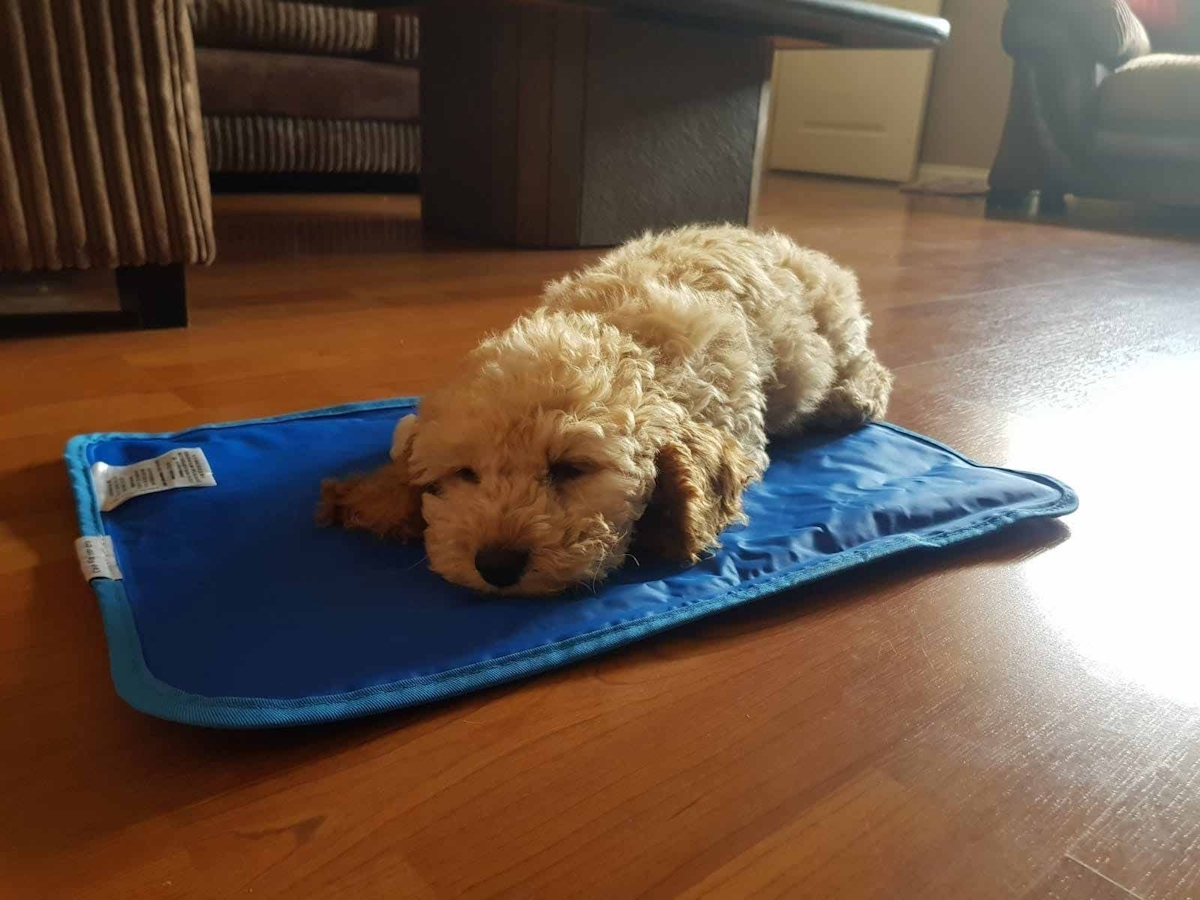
(1093, 111)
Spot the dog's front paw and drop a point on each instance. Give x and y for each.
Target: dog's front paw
(383, 503)
(332, 508)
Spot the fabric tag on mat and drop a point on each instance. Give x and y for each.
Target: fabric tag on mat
(97, 558)
(185, 467)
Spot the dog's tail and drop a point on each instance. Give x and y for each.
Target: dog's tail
(859, 395)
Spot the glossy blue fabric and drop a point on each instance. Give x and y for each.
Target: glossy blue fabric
(237, 611)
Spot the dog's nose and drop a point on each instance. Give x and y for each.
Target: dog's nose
(501, 566)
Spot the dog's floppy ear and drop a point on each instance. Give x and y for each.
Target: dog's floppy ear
(697, 493)
(402, 437)
(384, 502)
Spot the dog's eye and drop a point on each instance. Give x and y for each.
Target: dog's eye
(468, 474)
(562, 471)
(432, 488)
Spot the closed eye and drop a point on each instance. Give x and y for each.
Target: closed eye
(562, 471)
(466, 474)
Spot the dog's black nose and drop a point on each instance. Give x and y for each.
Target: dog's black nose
(501, 566)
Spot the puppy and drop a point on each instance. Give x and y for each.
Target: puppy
(631, 408)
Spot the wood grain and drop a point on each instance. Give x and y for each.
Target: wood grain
(566, 127)
(586, 127)
(534, 124)
(1015, 719)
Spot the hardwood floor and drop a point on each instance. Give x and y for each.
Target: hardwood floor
(1019, 719)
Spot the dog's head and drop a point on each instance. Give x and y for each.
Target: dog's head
(537, 464)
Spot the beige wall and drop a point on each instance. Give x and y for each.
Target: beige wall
(968, 98)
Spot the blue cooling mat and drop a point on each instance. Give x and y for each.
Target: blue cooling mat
(235, 610)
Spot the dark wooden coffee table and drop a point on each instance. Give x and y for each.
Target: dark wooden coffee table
(584, 123)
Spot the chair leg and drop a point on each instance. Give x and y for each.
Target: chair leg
(154, 296)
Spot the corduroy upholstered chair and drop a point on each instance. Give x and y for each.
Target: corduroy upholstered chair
(102, 161)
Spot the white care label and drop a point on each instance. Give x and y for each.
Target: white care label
(97, 559)
(185, 467)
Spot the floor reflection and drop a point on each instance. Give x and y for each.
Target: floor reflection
(300, 226)
(1123, 589)
(66, 291)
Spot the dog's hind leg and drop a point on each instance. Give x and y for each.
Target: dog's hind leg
(805, 372)
(819, 396)
(860, 394)
(822, 347)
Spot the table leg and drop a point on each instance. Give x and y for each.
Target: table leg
(549, 126)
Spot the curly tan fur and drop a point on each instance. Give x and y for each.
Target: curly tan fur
(638, 397)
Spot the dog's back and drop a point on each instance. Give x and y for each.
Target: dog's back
(741, 319)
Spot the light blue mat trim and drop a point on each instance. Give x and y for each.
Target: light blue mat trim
(138, 686)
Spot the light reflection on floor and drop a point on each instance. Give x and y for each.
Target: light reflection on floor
(1123, 590)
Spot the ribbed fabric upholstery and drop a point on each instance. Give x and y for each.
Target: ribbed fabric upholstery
(289, 27)
(268, 144)
(319, 29)
(102, 158)
(399, 36)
